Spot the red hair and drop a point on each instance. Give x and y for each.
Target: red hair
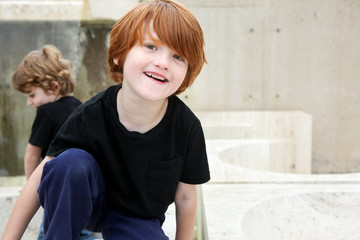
(175, 26)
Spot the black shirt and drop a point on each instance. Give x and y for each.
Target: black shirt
(141, 171)
(48, 120)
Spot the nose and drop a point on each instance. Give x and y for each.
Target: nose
(162, 60)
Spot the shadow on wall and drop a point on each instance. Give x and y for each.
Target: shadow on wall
(84, 43)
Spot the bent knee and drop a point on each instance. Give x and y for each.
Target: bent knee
(72, 161)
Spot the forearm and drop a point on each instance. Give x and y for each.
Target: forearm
(30, 164)
(186, 215)
(25, 207)
(23, 211)
(31, 159)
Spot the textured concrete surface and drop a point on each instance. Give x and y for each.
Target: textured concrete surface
(262, 55)
(282, 211)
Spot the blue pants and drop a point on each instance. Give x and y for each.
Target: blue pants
(72, 193)
(84, 234)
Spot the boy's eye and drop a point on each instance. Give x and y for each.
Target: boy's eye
(151, 46)
(177, 57)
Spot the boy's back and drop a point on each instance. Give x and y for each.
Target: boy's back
(49, 118)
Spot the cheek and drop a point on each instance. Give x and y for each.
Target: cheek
(130, 65)
(182, 73)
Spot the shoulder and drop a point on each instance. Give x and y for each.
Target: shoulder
(182, 119)
(103, 96)
(100, 102)
(47, 110)
(70, 100)
(182, 112)
(64, 103)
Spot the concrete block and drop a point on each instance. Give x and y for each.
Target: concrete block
(294, 126)
(240, 131)
(274, 155)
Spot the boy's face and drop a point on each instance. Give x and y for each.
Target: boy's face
(153, 71)
(37, 97)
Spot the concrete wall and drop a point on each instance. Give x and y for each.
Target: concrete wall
(28, 25)
(16, 40)
(262, 55)
(286, 55)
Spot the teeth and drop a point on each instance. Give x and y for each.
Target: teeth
(156, 77)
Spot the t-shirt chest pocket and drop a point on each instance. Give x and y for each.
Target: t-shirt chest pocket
(163, 177)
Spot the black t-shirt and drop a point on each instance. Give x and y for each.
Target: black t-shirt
(141, 171)
(48, 120)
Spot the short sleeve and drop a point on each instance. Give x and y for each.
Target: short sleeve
(196, 168)
(41, 131)
(72, 134)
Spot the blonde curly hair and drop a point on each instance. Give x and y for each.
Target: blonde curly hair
(41, 68)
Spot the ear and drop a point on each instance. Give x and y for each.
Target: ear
(116, 60)
(56, 87)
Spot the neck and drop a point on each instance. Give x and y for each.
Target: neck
(139, 116)
(58, 97)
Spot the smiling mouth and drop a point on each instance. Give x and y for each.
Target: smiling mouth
(156, 77)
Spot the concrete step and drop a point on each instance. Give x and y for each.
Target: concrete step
(8, 196)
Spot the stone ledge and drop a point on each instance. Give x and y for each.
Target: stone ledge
(69, 10)
(41, 10)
